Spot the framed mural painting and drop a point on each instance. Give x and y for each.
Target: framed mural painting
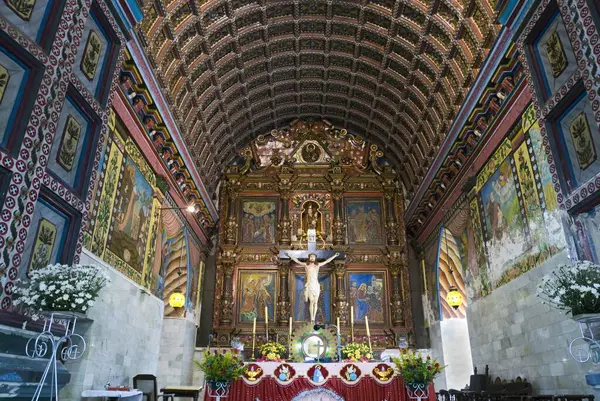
(301, 306)
(367, 295)
(550, 53)
(258, 217)
(364, 221)
(256, 289)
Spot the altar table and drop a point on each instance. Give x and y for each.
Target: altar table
(273, 381)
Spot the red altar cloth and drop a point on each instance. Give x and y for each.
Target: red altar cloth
(367, 389)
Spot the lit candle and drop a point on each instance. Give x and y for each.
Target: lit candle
(267, 321)
(253, 336)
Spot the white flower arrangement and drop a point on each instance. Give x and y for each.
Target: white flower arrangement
(574, 288)
(61, 288)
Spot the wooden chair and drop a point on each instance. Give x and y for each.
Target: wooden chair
(147, 385)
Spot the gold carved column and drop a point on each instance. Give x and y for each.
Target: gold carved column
(341, 302)
(336, 181)
(389, 193)
(233, 191)
(283, 304)
(396, 266)
(228, 266)
(285, 178)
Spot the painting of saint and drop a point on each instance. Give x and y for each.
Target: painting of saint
(256, 290)
(132, 217)
(364, 221)
(501, 204)
(301, 310)
(367, 296)
(258, 221)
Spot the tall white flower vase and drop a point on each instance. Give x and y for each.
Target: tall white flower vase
(70, 344)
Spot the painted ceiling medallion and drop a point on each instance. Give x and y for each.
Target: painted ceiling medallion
(393, 71)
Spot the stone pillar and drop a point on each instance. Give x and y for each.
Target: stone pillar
(285, 191)
(396, 267)
(284, 294)
(233, 190)
(341, 302)
(336, 180)
(228, 266)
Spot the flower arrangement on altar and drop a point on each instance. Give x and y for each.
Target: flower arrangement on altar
(271, 351)
(573, 288)
(223, 366)
(356, 352)
(61, 288)
(415, 369)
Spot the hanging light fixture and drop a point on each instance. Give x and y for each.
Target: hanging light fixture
(177, 298)
(454, 298)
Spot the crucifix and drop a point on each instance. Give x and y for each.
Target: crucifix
(312, 288)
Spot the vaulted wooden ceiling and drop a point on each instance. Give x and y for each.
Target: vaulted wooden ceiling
(393, 71)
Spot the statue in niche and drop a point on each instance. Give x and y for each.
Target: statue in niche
(311, 217)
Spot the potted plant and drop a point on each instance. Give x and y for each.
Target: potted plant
(356, 352)
(271, 351)
(574, 288)
(417, 372)
(220, 370)
(61, 288)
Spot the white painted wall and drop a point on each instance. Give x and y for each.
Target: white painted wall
(177, 348)
(123, 339)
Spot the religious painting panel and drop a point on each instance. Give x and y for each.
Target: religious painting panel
(19, 76)
(76, 137)
(576, 132)
(35, 18)
(53, 229)
(504, 224)
(96, 54)
(301, 304)
(311, 210)
(255, 290)
(367, 295)
(552, 53)
(259, 216)
(364, 221)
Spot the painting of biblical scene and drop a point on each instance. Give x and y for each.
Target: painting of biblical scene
(4, 77)
(258, 221)
(367, 296)
(583, 141)
(91, 55)
(67, 149)
(501, 205)
(23, 8)
(45, 239)
(556, 54)
(301, 307)
(132, 217)
(364, 221)
(255, 291)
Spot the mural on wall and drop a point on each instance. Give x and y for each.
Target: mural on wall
(582, 141)
(556, 54)
(4, 77)
(301, 310)
(364, 221)
(258, 221)
(23, 8)
(257, 290)
(451, 261)
(91, 55)
(367, 296)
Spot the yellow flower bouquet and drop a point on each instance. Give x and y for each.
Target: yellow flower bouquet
(271, 351)
(356, 352)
